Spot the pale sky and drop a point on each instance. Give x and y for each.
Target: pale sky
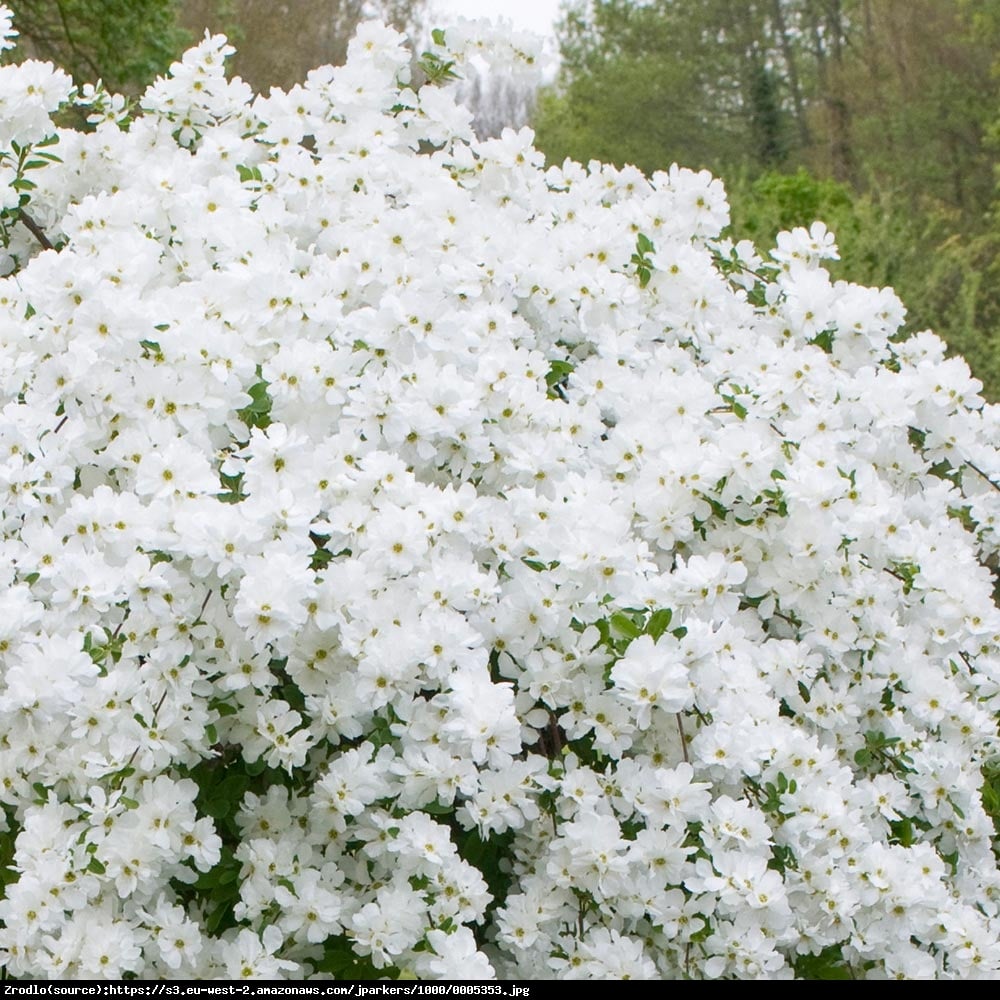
(531, 15)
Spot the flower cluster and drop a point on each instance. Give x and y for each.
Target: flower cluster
(417, 560)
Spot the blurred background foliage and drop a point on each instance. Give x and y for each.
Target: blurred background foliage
(127, 43)
(880, 117)
(277, 43)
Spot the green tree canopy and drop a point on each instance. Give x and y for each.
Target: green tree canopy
(878, 116)
(650, 83)
(278, 43)
(124, 42)
(873, 92)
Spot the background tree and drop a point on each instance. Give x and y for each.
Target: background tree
(497, 102)
(878, 116)
(650, 83)
(279, 42)
(124, 42)
(921, 94)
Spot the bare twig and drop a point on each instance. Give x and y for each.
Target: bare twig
(680, 729)
(76, 50)
(35, 229)
(975, 468)
(204, 604)
(135, 753)
(117, 631)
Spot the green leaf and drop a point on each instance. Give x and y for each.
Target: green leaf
(782, 859)
(659, 622)
(234, 489)
(882, 753)
(736, 406)
(340, 961)
(558, 372)
(438, 808)
(221, 798)
(249, 173)
(261, 400)
(321, 558)
(625, 626)
(902, 831)
(490, 857)
(437, 70)
(258, 413)
(229, 874)
(438, 36)
(829, 964)
(824, 341)
(223, 910)
(8, 841)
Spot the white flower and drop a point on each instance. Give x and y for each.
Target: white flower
(455, 956)
(649, 677)
(532, 534)
(250, 956)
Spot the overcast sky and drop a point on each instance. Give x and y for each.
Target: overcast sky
(534, 15)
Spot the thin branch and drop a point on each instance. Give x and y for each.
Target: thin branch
(680, 728)
(135, 752)
(786, 618)
(74, 48)
(34, 229)
(975, 468)
(204, 604)
(555, 750)
(117, 631)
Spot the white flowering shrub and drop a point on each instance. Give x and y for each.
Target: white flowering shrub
(420, 562)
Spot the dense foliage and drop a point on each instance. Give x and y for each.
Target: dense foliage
(124, 42)
(278, 43)
(893, 102)
(417, 561)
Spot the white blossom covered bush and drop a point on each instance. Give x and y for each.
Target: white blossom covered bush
(418, 561)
